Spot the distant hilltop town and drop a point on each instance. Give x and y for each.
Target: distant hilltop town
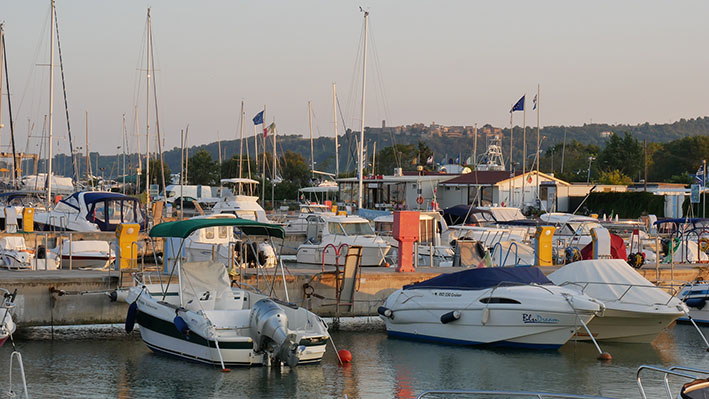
(434, 129)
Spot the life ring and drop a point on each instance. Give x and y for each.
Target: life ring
(704, 244)
(419, 200)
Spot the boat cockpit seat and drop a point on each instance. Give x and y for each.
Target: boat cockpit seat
(206, 286)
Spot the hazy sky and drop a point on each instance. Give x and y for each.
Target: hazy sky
(452, 62)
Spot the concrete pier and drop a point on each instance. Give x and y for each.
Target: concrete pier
(66, 297)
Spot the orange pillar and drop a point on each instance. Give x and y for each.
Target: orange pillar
(406, 232)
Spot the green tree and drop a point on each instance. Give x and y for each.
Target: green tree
(614, 177)
(230, 168)
(575, 157)
(678, 157)
(294, 169)
(396, 156)
(623, 154)
(202, 169)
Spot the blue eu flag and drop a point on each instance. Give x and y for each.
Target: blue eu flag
(519, 105)
(258, 119)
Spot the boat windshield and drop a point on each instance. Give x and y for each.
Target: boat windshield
(356, 228)
(584, 228)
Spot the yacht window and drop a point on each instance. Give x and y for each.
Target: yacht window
(114, 212)
(499, 300)
(128, 211)
(98, 213)
(223, 232)
(209, 233)
(357, 229)
(248, 215)
(335, 228)
(584, 228)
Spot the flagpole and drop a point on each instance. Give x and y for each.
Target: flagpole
(263, 170)
(241, 141)
(524, 146)
(538, 142)
(334, 114)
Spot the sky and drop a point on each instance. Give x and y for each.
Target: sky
(449, 62)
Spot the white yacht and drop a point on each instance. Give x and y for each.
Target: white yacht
(334, 234)
(15, 255)
(500, 306)
(90, 211)
(202, 318)
(636, 310)
(308, 213)
(240, 198)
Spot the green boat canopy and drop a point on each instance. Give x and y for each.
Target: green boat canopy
(183, 228)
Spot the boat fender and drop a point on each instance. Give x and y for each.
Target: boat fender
(386, 312)
(131, 316)
(450, 316)
(696, 303)
(181, 326)
(485, 316)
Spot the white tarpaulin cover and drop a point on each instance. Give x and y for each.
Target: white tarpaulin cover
(615, 276)
(204, 283)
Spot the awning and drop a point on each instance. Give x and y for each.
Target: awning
(183, 228)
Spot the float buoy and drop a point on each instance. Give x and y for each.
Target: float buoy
(131, 316)
(605, 356)
(345, 355)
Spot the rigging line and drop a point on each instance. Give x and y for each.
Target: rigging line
(354, 92)
(75, 176)
(379, 76)
(157, 118)
(34, 64)
(9, 109)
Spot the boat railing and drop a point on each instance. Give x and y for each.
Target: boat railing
(509, 249)
(678, 371)
(18, 358)
(508, 394)
(585, 284)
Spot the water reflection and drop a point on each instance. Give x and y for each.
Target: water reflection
(121, 366)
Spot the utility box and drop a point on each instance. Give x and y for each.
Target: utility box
(28, 220)
(127, 244)
(543, 254)
(601, 243)
(406, 232)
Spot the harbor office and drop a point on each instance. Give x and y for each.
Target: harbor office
(393, 192)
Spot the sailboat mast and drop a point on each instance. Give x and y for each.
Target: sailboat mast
(147, 123)
(263, 170)
(360, 170)
(273, 184)
(2, 52)
(310, 124)
(51, 107)
(538, 141)
(125, 144)
(337, 147)
(241, 141)
(3, 60)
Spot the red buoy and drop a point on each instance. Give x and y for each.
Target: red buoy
(345, 355)
(605, 356)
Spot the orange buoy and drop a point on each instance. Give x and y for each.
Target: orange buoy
(386, 264)
(605, 356)
(345, 355)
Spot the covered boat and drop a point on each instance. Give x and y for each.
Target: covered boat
(636, 310)
(514, 306)
(202, 318)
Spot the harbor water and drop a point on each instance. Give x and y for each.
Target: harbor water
(104, 362)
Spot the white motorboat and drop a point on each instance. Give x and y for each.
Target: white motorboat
(308, 214)
(695, 296)
(636, 310)
(15, 255)
(90, 211)
(202, 318)
(334, 235)
(502, 306)
(84, 254)
(238, 199)
(219, 244)
(7, 325)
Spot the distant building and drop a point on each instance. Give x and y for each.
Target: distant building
(606, 135)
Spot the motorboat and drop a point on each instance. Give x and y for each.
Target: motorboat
(571, 230)
(91, 211)
(695, 296)
(499, 306)
(308, 213)
(239, 198)
(202, 318)
(7, 325)
(84, 254)
(218, 243)
(15, 255)
(636, 310)
(328, 240)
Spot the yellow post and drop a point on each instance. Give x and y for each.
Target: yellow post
(28, 220)
(341, 213)
(543, 250)
(127, 237)
(334, 209)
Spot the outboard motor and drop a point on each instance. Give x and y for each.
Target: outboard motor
(269, 330)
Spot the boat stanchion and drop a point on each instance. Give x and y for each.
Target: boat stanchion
(691, 320)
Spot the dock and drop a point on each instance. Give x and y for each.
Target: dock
(75, 297)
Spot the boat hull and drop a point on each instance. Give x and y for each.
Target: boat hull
(627, 326)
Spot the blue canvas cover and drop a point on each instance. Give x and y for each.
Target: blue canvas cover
(478, 279)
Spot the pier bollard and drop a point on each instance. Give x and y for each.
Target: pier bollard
(544, 245)
(406, 232)
(28, 220)
(126, 235)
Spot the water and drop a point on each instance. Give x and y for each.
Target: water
(106, 363)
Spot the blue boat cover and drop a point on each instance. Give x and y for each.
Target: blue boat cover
(478, 279)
